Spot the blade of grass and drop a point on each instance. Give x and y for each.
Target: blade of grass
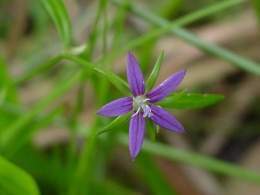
(183, 21)
(58, 12)
(195, 159)
(192, 39)
(38, 69)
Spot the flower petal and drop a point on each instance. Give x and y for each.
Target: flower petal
(135, 76)
(136, 134)
(165, 119)
(117, 107)
(166, 87)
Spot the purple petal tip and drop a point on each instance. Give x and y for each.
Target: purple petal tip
(116, 107)
(134, 75)
(166, 87)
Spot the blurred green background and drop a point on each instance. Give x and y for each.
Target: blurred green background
(62, 60)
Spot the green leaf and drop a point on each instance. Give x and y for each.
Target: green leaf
(40, 68)
(155, 72)
(183, 100)
(15, 181)
(114, 123)
(57, 11)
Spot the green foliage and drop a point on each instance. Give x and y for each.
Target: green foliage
(80, 166)
(57, 10)
(15, 181)
(183, 100)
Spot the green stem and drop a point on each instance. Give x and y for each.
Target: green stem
(198, 160)
(113, 78)
(38, 69)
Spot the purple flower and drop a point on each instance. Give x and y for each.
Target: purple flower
(142, 105)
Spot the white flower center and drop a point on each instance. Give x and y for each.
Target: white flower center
(140, 103)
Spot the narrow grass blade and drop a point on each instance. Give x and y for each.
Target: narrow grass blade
(237, 60)
(38, 69)
(57, 11)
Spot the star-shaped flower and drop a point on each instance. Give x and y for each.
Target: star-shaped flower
(142, 105)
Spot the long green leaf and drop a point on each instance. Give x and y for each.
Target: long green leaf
(198, 160)
(38, 69)
(57, 10)
(237, 60)
(15, 181)
(183, 100)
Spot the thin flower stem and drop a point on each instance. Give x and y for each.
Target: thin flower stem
(38, 69)
(113, 78)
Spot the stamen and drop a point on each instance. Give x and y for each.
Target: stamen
(140, 103)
